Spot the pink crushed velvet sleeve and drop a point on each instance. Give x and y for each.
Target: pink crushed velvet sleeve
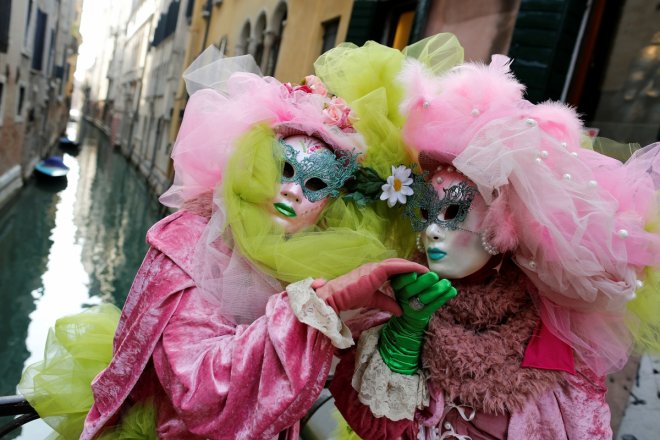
(243, 381)
(576, 410)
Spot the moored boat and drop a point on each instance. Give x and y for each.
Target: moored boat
(52, 166)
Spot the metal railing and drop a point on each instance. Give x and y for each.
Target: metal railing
(15, 406)
(312, 428)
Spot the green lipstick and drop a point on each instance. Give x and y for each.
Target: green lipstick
(285, 210)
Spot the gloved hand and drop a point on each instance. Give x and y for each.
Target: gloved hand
(359, 288)
(400, 342)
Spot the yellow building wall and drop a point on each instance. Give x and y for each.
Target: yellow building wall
(301, 39)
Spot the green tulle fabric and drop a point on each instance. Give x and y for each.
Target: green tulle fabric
(344, 238)
(342, 431)
(354, 72)
(618, 150)
(645, 309)
(77, 349)
(137, 423)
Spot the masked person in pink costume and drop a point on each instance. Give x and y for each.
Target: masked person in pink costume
(551, 250)
(211, 338)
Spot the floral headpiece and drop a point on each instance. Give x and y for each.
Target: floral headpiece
(335, 110)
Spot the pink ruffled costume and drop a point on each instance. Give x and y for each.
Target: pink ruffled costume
(206, 365)
(218, 361)
(522, 352)
(548, 404)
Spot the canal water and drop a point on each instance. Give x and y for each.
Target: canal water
(65, 246)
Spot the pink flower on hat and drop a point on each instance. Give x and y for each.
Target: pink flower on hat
(315, 85)
(337, 113)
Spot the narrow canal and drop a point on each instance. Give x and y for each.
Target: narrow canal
(67, 246)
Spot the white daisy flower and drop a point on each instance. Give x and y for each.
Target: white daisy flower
(397, 187)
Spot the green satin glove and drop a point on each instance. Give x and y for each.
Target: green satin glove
(401, 339)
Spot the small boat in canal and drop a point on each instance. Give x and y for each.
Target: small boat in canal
(67, 143)
(52, 166)
(69, 146)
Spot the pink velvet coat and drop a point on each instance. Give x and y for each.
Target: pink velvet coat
(212, 379)
(576, 410)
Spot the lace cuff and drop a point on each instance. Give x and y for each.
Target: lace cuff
(393, 395)
(313, 311)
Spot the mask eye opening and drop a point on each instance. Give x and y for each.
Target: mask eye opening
(315, 184)
(288, 171)
(451, 211)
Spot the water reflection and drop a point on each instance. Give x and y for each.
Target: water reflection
(65, 248)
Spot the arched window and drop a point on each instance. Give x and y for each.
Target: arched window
(243, 40)
(258, 44)
(276, 29)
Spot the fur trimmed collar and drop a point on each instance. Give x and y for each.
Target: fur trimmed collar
(476, 342)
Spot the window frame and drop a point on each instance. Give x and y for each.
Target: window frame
(20, 103)
(3, 94)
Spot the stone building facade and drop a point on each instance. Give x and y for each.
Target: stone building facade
(38, 40)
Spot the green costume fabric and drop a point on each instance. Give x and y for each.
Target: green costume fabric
(78, 348)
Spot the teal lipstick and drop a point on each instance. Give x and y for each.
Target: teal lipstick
(435, 254)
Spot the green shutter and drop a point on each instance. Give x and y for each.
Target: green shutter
(542, 45)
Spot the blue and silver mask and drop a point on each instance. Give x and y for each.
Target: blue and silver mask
(426, 206)
(321, 174)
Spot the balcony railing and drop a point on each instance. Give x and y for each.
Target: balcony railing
(15, 406)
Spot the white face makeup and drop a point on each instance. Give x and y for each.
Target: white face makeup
(455, 253)
(290, 208)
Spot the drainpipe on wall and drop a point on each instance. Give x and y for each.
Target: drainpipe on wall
(576, 51)
(136, 115)
(421, 12)
(206, 14)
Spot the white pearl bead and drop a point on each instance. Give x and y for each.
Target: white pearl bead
(544, 154)
(592, 184)
(532, 264)
(426, 104)
(448, 425)
(538, 160)
(530, 122)
(564, 145)
(450, 169)
(574, 154)
(438, 180)
(622, 233)
(567, 177)
(639, 284)
(475, 112)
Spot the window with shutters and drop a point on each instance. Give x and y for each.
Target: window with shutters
(39, 40)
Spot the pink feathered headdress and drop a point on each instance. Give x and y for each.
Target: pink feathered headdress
(228, 98)
(215, 118)
(574, 220)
